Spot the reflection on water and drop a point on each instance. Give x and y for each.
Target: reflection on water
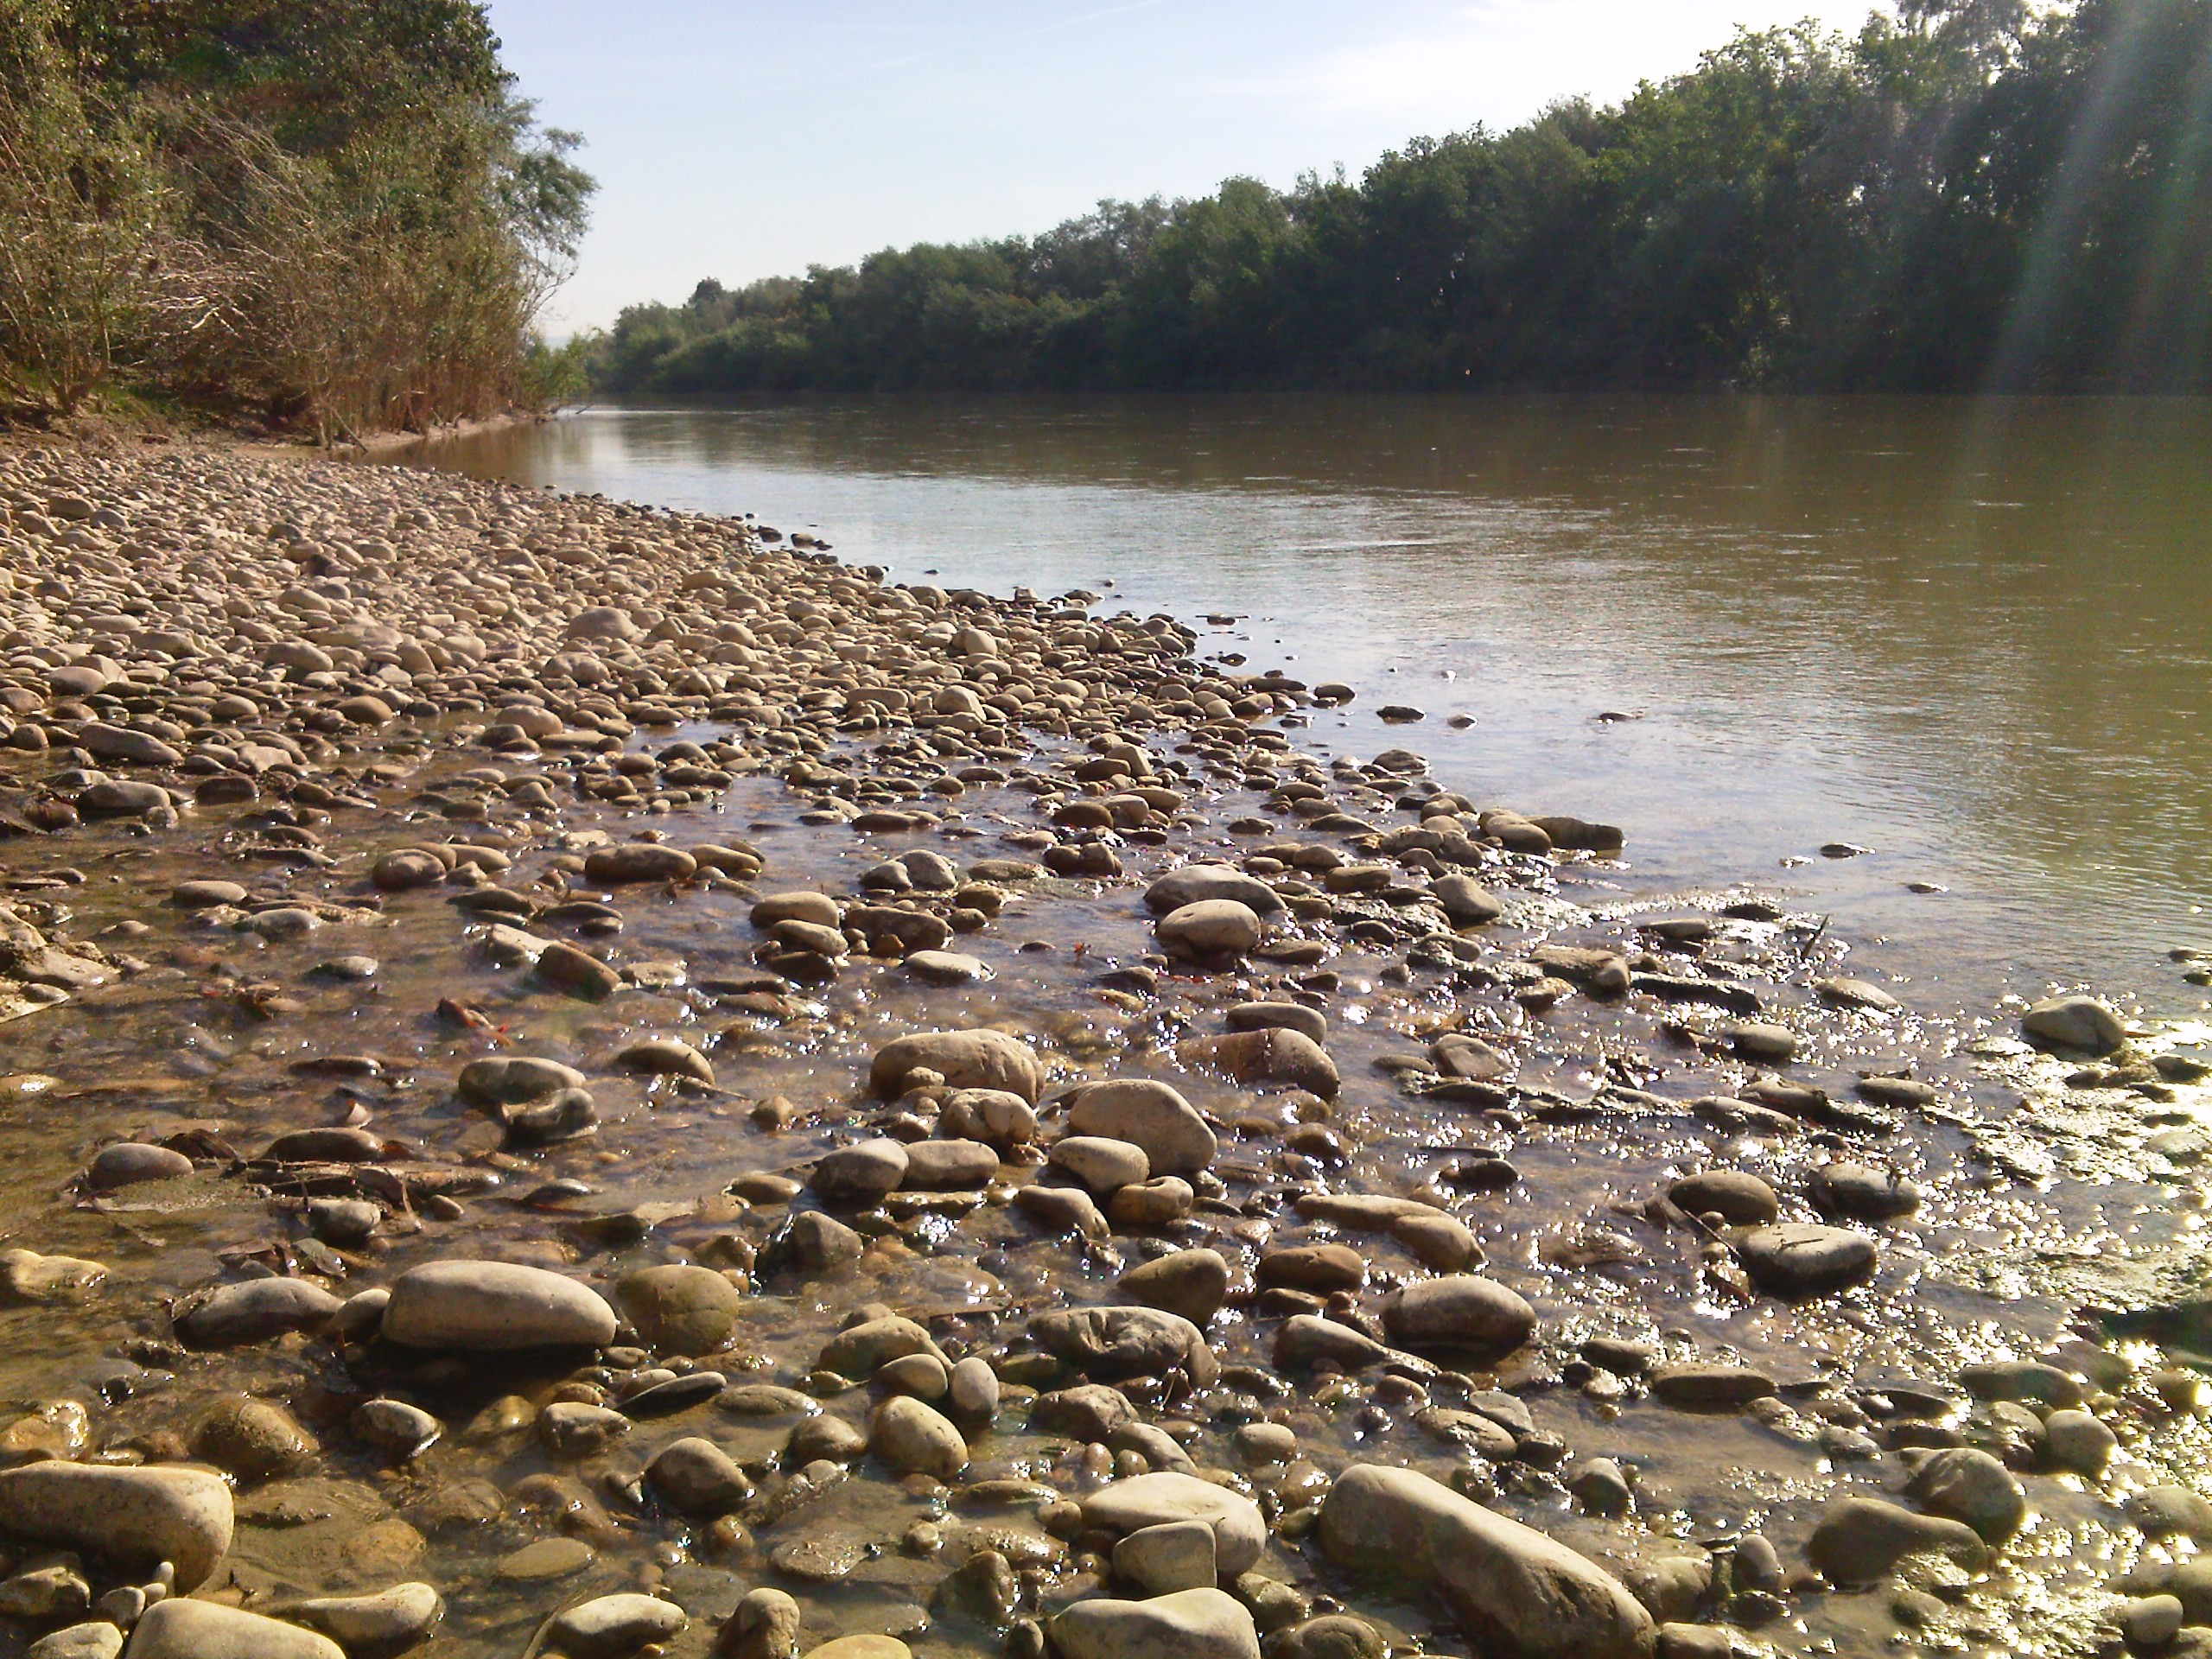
(1971, 638)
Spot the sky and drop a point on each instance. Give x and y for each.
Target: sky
(749, 139)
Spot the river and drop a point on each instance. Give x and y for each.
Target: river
(1970, 637)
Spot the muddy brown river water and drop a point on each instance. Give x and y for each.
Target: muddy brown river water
(1971, 638)
(1528, 1079)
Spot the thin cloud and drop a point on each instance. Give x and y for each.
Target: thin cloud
(1506, 59)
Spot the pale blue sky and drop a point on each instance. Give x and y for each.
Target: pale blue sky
(744, 140)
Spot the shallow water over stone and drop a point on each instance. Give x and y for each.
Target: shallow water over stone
(1527, 1037)
(1969, 639)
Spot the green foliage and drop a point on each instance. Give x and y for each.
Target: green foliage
(555, 375)
(1968, 194)
(341, 215)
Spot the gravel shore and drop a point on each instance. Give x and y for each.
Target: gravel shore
(587, 1080)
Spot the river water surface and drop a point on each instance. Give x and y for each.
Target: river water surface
(1970, 637)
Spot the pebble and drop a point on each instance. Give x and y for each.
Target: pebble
(2080, 1024)
(1101, 1164)
(1465, 901)
(1193, 1283)
(1740, 1199)
(1211, 927)
(2022, 1379)
(1700, 1387)
(1285, 1058)
(180, 1628)
(493, 1306)
(1858, 1540)
(395, 1428)
(28, 1277)
(613, 1627)
(1461, 1310)
(98, 1640)
(1163, 1498)
(860, 1176)
(546, 1559)
(1802, 1259)
(2074, 1440)
(1505, 1581)
(765, 1625)
(1331, 1635)
(1964, 1483)
(1862, 1192)
(964, 1059)
(862, 1647)
(1321, 1269)
(1164, 1559)
(140, 1515)
(972, 1390)
(912, 1438)
(1153, 1116)
(1196, 884)
(1309, 1023)
(253, 1439)
(2149, 1623)
(679, 1309)
(383, 1623)
(1195, 1624)
(129, 1163)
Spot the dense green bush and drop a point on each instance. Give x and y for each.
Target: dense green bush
(1967, 193)
(340, 215)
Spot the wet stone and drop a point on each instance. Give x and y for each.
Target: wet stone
(490, 1306)
(1801, 1259)
(546, 1559)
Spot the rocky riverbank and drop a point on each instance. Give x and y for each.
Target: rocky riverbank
(584, 1081)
